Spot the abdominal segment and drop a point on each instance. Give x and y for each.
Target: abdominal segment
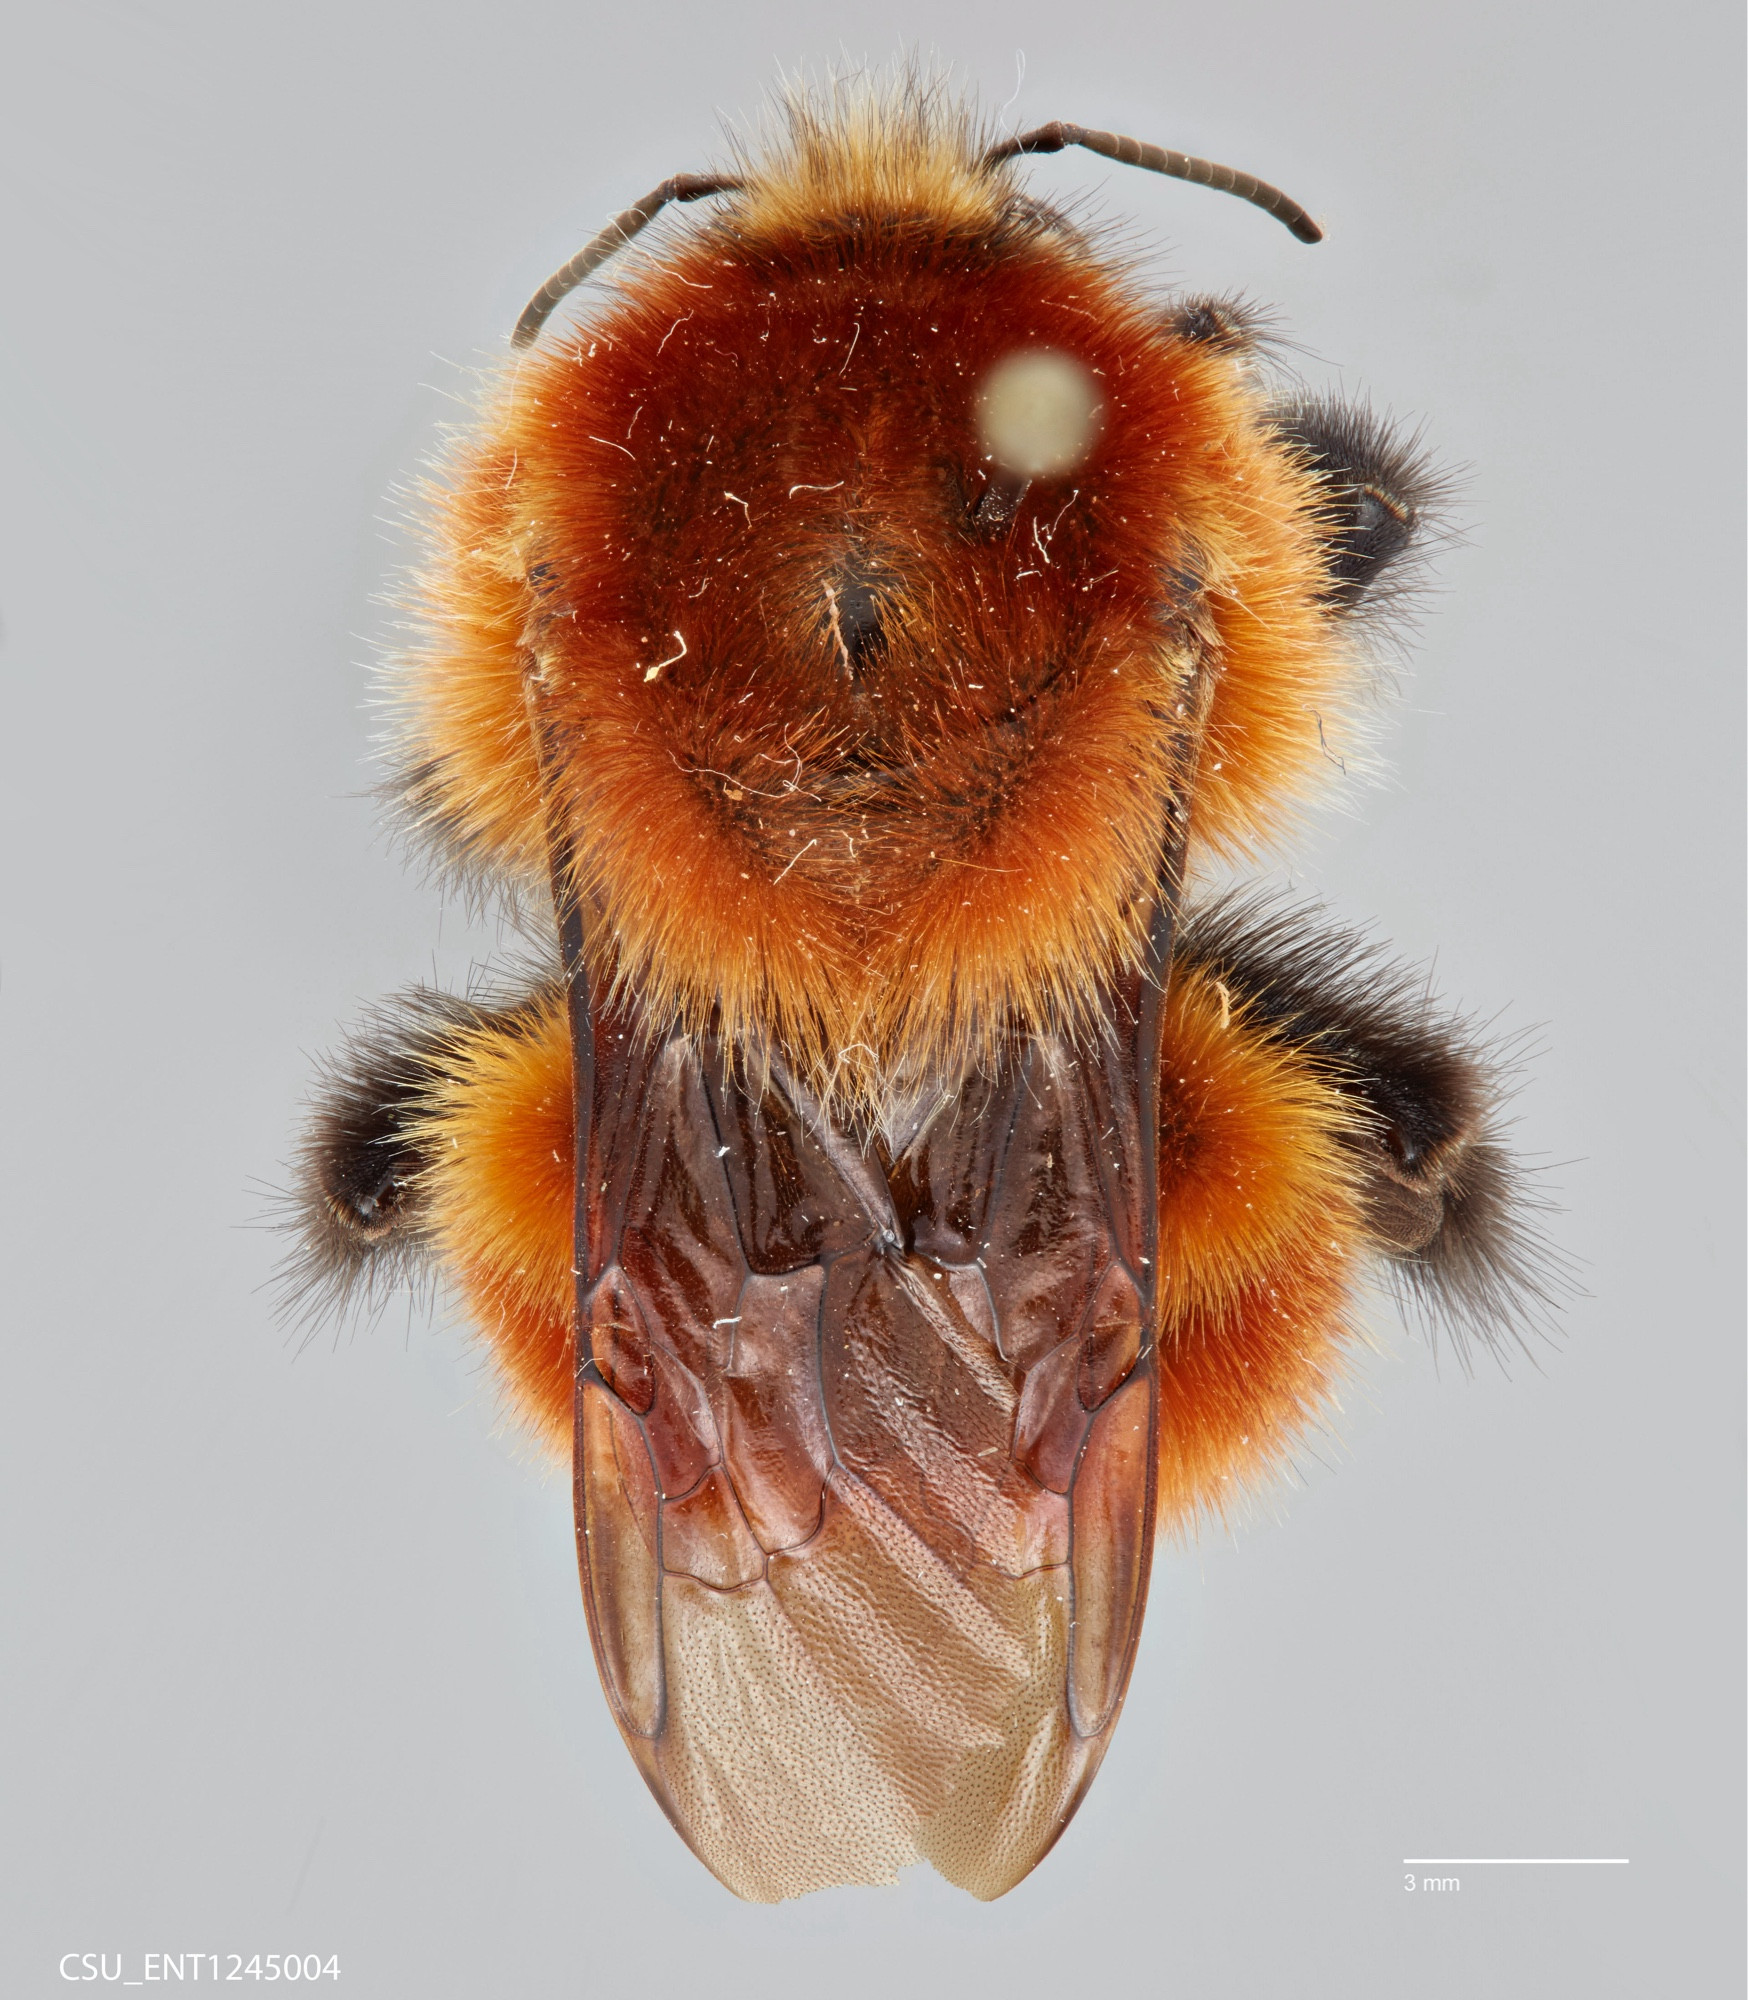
(864, 1525)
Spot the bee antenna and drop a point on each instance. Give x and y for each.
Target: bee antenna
(1049, 138)
(1053, 137)
(619, 232)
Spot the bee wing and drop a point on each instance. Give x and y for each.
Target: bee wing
(864, 1529)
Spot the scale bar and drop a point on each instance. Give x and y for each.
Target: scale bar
(1515, 1861)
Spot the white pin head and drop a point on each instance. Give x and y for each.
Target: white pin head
(1038, 413)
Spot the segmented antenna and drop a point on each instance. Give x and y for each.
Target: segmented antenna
(1049, 138)
(624, 226)
(1053, 137)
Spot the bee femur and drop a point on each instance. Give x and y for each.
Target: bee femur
(1051, 138)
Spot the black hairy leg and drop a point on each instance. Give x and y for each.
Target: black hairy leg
(1446, 1207)
(1378, 494)
(358, 1207)
(1229, 325)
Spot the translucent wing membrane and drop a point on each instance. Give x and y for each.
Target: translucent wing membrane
(864, 1458)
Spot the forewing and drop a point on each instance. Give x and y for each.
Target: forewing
(864, 1462)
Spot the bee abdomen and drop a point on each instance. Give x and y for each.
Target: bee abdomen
(1442, 1200)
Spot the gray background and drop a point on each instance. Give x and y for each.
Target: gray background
(295, 1655)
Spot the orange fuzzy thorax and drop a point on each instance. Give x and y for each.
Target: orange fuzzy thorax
(877, 864)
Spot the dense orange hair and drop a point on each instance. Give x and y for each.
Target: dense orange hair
(882, 869)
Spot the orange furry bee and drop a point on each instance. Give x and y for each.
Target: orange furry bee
(901, 1195)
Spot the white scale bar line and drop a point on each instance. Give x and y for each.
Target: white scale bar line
(1516, 1861)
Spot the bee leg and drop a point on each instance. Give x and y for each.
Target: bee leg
(1229, 326)
(358, 1206)
(439, 1145)
(1378, 492)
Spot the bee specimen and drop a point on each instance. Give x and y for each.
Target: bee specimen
(901, 1196)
